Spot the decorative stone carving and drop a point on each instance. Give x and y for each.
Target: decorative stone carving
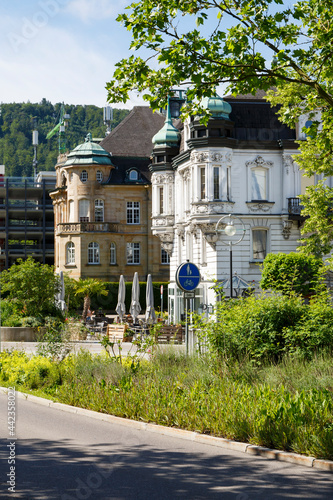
(199, 157)
(211, 207)
(180, 231)
(215, 156)
(228, 157)
(167, 220)
(193, 229)
(260, 207)
(186, 173)
(286, 228)
(259, 161)
(166, 239)
(162, 178)
(288, 163)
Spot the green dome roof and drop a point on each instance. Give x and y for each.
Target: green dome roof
(217, 106)
(168, 135)
(88, 153)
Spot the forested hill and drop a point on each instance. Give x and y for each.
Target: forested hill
(18, 120)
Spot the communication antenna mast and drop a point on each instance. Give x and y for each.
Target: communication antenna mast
(35, 144)
(60, 128)
(107, 118)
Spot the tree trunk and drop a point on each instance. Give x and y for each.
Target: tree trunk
(86, 306)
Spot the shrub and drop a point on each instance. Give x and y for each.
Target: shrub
(292, 272)
(268, 327)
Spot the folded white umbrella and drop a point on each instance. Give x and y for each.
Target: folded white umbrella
(120, 309)
(135, 308)
(150, 311)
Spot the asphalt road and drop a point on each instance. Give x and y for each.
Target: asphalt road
(64, 456)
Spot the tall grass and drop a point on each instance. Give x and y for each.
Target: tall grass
(287, 405)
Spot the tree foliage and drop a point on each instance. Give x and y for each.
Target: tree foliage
(18, 120)
(246, 45)
(293, 272)
(88, 287)
(31, 288)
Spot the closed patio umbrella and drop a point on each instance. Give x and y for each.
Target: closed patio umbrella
(135, 308)
(61, 294)
(120, 309)
(150, 311)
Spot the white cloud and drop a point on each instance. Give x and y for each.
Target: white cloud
(88, 10)
(55, 64)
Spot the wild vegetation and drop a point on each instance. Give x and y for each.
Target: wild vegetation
(284, 406)
(18, 120)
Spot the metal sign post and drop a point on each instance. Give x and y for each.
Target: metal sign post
(187, 278)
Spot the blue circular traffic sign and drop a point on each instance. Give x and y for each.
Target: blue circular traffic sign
(188, 276)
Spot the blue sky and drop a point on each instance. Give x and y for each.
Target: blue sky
(63, 50)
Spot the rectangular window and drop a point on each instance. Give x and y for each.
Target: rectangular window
(84, 210)
(202, 183)
(216, 183)
(133, 253)
(133, 212)
(113, 259)
(259, 184)
(99, 211)
(161, 200)
(259, 244)
(165, 257)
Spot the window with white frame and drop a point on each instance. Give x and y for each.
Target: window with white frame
(84, 176)
(133, 212)
(161, 199)
(84, 210)
(133, 253)
(99, 176)
(133, 175)
(259, 183)
(70, 253)
(93, 253)
(259, 244)
(202, 176)
(99, 210)
(165, 257)
(113, 255)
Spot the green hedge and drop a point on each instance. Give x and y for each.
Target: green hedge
(108, 302)
(267, 327)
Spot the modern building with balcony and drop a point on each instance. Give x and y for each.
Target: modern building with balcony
(26, 219)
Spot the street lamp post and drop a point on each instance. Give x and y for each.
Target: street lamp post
(227, 223)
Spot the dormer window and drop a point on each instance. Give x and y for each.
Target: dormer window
(84, 176)
(133, 175)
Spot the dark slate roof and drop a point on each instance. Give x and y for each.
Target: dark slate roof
(119, 175)
(256, 120)
(133, 136)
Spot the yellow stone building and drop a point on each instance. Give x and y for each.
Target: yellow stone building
(102, 208)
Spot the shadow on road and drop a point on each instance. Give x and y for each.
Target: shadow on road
(59, 470)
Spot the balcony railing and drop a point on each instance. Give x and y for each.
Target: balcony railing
(87, 227)
(294, 206)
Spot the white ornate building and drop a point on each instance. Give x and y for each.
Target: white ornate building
(239, 164)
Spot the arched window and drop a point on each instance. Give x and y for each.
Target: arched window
(93, 253)
(99, 210)
(84, 176)
(133, 175)
(113, 255)
(99, 176)
(70, 253)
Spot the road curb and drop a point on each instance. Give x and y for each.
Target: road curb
(282, 456)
